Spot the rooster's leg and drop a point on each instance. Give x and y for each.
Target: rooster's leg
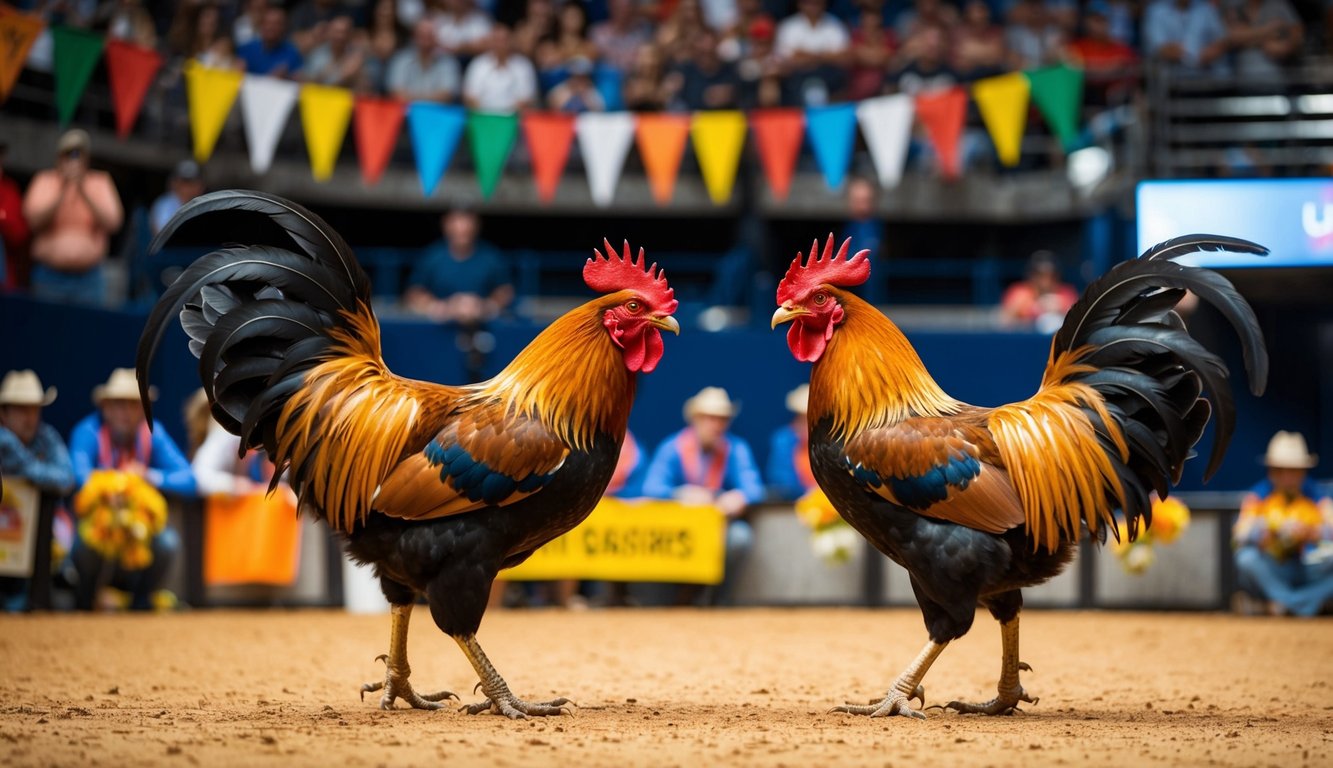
(499, 700)
(395, 685)
(907, 687)
(1010, 690)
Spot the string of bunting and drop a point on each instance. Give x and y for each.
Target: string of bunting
(604, 140)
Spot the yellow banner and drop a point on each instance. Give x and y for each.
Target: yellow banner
(718, 139)
(18, 31)
(325, 112)
(1003, 102)
(210, 93)
(634, 541)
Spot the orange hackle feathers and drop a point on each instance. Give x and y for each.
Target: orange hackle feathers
(828, 268)
(616, 272)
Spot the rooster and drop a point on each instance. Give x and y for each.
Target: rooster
(438, 487)
(978, 503)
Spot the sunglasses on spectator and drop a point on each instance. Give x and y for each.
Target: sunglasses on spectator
(71, 154)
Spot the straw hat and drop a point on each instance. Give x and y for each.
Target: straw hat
(121, 386)
(711, 401)
(1287, 450)
(798, 400)
(24, 388)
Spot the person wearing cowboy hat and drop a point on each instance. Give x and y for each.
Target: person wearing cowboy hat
(703, 464)
(1283, 534)
(30, 448)
(789, 475)
(118, 436)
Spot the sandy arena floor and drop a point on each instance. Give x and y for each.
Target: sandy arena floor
(747, 687)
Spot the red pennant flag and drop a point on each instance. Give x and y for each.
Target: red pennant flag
(376, 124)
(549, 136)
(131, 70)
(661, 140)
(943, 113)
(777, 135)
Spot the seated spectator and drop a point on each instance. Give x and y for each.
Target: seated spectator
(1188, 36)
(789, 474)
(270, 52)
(675, 34)
(570, 41)
(1109, 66)
(185, 184)
(578, 93)
(978, 43)
(127, 20)
(536, 28)
(1040, 300)
(1266, 35)
(13, 230)
(619, 38)
(500, 80)
(117, 436)
(924, 63)
(759, 67)
(340, 60)
(924, 13)
(194, 29)
(460, 278)
(870, 52)
(423, 72)
(245, 27)
(737, 37)
(310, 22)
(73, 211)
(703, 464)
(461, 29)
(642, 90)
(813, 46)
(383, 38)
(866, 229)
(1033, 35)
(1284, 533)
(704, 81)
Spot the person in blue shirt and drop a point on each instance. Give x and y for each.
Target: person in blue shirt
(271, 53)
(703, 464)
(789, 475)
(866, 229)
(118, 437)
(1189, 36)
(459, 278)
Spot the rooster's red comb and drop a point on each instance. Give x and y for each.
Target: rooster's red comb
(826, 268)
(617, 272)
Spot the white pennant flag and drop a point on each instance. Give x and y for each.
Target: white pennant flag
(604, 141)
(886, 122)
(266, 103)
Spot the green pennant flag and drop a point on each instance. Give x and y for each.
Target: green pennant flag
(76, 55)
(1058, 94)
(491, 137)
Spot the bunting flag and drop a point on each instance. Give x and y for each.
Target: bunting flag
(130, 71)
(886, 122)
(942, 114)
(376, 124)
(266, 103)
(777, 137)
(604, 141)
(832, 132)
(435, 130)
(1058, 94)
(325, 112)
(549, 135)
(661, 141)
(1003, 103)
(76, 54)
(718, 140)
(491, 137)
(210, 94)
(18, 31)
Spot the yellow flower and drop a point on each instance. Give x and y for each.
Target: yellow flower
(816, 511)
(1170, 517)
(119, 514)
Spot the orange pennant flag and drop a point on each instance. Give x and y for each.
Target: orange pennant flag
(943, 113)
(778, 134)
(376, 123)
(131, 70)
(549, 136)
(18, 31)
(661, 140)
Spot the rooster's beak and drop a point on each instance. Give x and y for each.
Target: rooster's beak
(667, 323)
(786, 313)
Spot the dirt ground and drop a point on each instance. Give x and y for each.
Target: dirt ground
(662, 687)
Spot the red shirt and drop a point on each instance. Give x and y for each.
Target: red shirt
(14, 233)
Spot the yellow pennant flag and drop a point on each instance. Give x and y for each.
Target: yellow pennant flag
(210, 93)
(1003, 102)
(325, 112)
(718, 138)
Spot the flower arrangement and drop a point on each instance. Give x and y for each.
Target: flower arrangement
(1286, 524)
(1170, 517)
(119, 513)
(833, 540)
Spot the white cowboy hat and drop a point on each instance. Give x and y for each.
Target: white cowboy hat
(24, 388)
(798, 400)
(711, 401)
(1287, 450)
(123, 385)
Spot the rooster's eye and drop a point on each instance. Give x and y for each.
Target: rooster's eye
(820, 298)
(633, 306)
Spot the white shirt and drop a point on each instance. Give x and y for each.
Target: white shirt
(797, 34)
(453, 32)
(496, 88)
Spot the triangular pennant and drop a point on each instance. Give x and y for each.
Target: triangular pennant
(491, 137)
(266, 103)
(718, 140)
(549, 136)
(886, 122)
(325, 112)
(942, 113)
(777, 137)
(210, 94)
(76, 53)
(661, 142)
(18, 31)
(1058, 94)
(376, 124)
(832, 132)
(130, 70)
(604, 140)
(1003, 103)
(435, 130)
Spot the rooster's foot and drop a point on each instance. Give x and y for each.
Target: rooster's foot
(514, 708)
(894, 703)
(1004, 704)
(396, 686)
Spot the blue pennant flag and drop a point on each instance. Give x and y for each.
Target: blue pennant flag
(832, 134)
(435, 131)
